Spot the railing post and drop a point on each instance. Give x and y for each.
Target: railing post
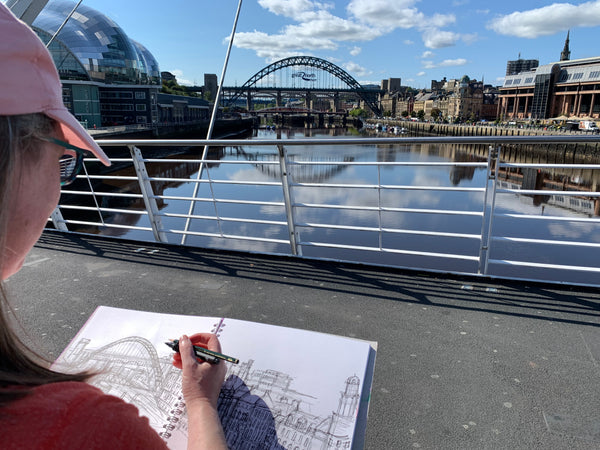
(287, 199)
(58, 221)
(488, 210)
(147, 193)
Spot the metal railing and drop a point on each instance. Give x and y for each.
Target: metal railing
(303, 226)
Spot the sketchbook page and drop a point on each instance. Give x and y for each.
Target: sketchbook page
(292, 388)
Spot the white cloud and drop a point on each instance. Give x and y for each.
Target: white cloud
(288, 8)
(453, 62)
(420, 74)
(355, 51)
(445, 63)
(547, 20)
(386, 14)
(427, 54)
(316, 28)
(356, 70)
(434, 38)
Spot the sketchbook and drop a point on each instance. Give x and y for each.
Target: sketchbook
(291, 389)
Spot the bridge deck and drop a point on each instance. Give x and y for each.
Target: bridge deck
(462, 363)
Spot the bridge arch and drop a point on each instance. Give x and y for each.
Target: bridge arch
(368, 96)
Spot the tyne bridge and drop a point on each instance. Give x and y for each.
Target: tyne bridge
(302, 82)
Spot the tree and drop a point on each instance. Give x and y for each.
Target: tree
(421, 114)
(436, 113)
(358, 112)
(404, 113)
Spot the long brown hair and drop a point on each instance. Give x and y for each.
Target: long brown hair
(19, 365)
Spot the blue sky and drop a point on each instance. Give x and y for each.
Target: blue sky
(372, 40)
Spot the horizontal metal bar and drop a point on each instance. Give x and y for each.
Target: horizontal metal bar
(387, 230)
(545, 266)
(202, 181)
(550, 166)
(390, 250)
(376, 186)
(543, 192)
(389, 163)
(228, 236)
(108, 225)
(549, 218)
(388, 209)
(546, 242)
(113, 210)
(353, 141)
(107, 194)
(226, 219)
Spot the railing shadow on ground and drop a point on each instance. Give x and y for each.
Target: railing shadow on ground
(531, 300)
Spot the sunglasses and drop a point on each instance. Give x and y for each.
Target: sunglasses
(71, 162)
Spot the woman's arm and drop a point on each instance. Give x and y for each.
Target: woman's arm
(201, 384)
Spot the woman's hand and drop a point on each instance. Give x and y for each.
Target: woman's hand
(201, 383)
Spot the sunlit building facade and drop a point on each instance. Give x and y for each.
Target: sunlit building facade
(108, 78)
(565, 89)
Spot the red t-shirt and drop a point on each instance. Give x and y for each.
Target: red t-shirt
(74, 415)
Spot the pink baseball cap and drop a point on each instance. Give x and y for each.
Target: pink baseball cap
(29, 82)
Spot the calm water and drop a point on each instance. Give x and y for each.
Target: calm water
(359, 175)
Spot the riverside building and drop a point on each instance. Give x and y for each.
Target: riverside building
(559, 90)
(108, 78)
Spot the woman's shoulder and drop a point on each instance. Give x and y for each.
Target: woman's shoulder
(75, 415)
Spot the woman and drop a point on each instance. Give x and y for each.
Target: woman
(42, 147)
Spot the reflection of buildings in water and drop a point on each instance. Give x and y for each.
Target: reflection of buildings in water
(579, 205)
(267, 396)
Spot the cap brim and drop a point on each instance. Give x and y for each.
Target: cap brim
(75, 134)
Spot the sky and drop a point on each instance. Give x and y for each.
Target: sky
(372, 40)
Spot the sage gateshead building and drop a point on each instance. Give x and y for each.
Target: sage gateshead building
(107, 78)
(560, 90)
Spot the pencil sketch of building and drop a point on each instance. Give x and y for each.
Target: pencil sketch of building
(259, 408)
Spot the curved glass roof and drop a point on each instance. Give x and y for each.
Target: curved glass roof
(68, 65)
(102, 47)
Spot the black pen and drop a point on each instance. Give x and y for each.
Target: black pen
(204, 354)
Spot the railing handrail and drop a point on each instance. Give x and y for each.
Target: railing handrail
(576, 139)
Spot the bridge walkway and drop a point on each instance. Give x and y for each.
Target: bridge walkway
(462, 363)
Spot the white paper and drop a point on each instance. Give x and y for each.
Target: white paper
(292, 388)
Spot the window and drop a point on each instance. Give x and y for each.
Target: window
(578, 76)
(140, 95)
(115, 95)
(140, 107)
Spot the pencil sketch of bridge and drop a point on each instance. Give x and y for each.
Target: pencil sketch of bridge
(259, 407)
(304, 82)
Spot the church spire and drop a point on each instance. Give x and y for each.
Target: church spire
(565, 55)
